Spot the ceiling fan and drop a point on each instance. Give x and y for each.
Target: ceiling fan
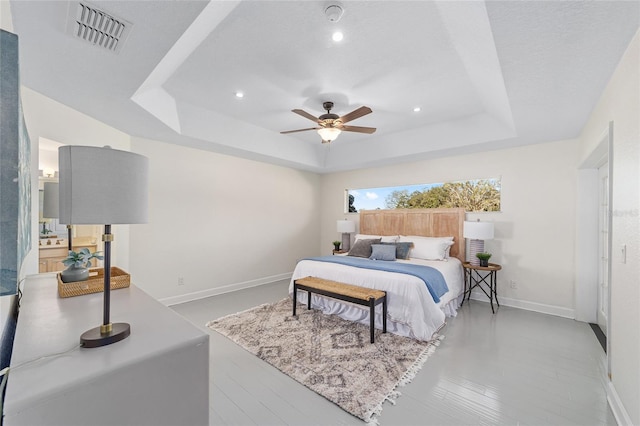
(331, 125)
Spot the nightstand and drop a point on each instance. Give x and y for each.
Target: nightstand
(476, 276)
(339, 251)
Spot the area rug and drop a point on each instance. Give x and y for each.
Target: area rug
(329, 355)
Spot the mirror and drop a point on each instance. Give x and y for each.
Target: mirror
(54, 242)
(48, 227)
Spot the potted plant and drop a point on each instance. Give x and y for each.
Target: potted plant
(44, 231)
(336, 244)
(484, 258)
(78, 264)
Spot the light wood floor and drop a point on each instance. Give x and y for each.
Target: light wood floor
(512, 368)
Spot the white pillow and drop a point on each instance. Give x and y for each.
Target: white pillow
(385, 239)
(412, 238)
(428, 248)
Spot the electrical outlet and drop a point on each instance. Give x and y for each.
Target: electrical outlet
(180, 280)
(513, 284)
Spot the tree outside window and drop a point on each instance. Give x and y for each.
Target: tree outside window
(480, 195)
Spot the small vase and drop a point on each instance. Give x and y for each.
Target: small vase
(484, 262)
(74, 273)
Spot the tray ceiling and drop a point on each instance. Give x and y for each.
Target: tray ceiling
(485, 75)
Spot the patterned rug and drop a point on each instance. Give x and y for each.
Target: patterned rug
(329, 355)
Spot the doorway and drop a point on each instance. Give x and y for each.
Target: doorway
(53, 244)
(593, 240)
(603, 248)
(600, 327)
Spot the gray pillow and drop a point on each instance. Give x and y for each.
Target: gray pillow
(362, 248)
(383, 252)
(402, 249)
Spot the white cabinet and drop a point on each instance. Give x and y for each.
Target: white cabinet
(157, 376)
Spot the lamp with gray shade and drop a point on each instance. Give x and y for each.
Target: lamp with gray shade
(477, 232)
(103, 186)
(346, 227)
(50, 201)
(50, 206)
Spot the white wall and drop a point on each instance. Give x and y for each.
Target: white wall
(220, 222)
(534, 232)
(203, 209)
(6, 21)
(620, 104)
(49, 119)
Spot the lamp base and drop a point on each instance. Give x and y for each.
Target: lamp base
(346, 241)
(94, 338)
(475, 246)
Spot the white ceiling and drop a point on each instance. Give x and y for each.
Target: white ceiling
(486, 74)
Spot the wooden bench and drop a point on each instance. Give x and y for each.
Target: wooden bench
(347, 292)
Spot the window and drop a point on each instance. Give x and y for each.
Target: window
(479, 195)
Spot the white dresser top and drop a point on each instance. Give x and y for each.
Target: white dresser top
(49, 325)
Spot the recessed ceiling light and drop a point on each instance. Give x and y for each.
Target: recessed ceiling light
(239, 95)
(334, 12)
(337, 36)
(417, 109)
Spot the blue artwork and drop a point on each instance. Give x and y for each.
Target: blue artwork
(15, 183)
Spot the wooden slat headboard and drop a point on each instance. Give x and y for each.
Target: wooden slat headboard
(421, 222)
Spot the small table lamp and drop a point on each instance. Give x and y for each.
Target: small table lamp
(103, 186)
(50, 200)
(477, 232)
(50, 206)
(346, 227)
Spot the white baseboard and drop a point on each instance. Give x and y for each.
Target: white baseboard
(619, 412)
(529, 306)
(189, 297)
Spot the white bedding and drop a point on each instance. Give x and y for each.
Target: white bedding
(411, 309)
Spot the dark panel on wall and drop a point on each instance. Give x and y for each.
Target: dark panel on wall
(15, 187)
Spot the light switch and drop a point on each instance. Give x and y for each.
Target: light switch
(623, 253)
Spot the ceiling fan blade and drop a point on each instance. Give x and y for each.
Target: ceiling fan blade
(358, 129)
(299, 130)
(305, 114)
(363, 110)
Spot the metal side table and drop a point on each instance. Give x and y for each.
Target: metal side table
(477, 276)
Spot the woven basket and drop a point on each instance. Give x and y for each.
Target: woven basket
(95, 283)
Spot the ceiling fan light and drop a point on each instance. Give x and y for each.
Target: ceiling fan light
(329, 134)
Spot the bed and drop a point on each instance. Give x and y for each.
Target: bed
(412, 309)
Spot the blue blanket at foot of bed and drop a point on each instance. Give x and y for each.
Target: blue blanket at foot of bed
(432, 278)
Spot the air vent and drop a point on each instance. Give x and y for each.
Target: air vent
(98, 27)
